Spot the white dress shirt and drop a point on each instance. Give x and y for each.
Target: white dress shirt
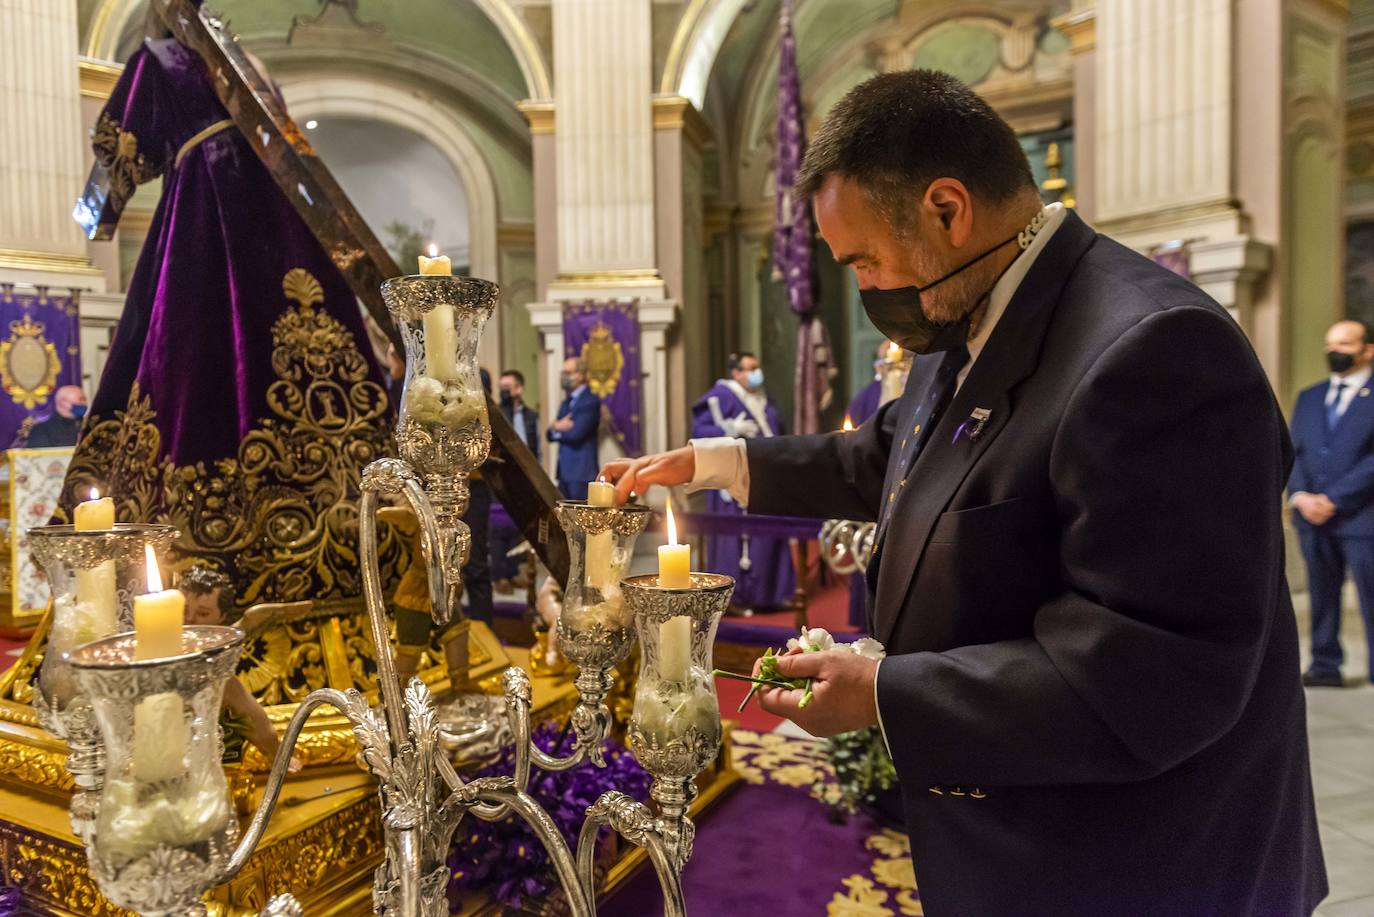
(1352, 383)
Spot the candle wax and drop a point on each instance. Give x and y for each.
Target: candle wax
(441, 336)
(95, 589)
(674, 566)
(160, 738)
(157, 624)
(95, 515)
(675, 649)
(601, 572)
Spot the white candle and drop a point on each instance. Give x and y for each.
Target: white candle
(95, 587)
(160, 738)
(675, 634)
(600, 566)
(157, 616)
(441, 336)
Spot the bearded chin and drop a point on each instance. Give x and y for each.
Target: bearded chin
(959, 295)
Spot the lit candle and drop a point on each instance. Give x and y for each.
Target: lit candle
(848, 424)
(157, 617)
(894, 351)
(441, 336)
(95, 586)
(96, 514)
(600, 569)
(675, 634)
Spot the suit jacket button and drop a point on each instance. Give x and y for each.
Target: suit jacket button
(957, 791)
(977, 793)
(937, 791)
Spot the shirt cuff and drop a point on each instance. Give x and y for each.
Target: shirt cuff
(722, 463)
(878, 707)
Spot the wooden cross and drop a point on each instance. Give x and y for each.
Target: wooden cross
(515, 476)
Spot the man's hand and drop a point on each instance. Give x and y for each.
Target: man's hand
(1315, 508)
(841, 687)
(563, 424)
(637, 475)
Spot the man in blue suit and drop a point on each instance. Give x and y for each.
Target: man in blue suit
(1332, 493)
(575, 431)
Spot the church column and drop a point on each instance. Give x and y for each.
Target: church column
(41, 147)
(1219, 124)
(1080, 25)
(605, 193)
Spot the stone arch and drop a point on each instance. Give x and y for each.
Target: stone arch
(323, 94)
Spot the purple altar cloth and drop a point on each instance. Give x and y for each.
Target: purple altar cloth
(769, 848)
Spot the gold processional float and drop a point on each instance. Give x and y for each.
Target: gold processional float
(331, 839)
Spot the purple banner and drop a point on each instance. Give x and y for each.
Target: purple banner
(606, 336)
(40, 351)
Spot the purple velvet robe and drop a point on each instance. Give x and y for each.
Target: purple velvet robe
(241, 397)
(862, 409)
(770, 580)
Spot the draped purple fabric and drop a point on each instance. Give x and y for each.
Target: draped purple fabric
(241, 396)
(606, 336)
(793, 229)
(767, 580)
(40, 351)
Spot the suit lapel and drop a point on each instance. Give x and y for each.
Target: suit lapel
(1010, 355)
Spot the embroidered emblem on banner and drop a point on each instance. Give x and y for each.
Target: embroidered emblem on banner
(29, 363)
(605, 360)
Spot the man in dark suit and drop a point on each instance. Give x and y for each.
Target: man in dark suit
(1091, 694)
(64, 426)
(525, 420)
(575, 431)
(1332, 493)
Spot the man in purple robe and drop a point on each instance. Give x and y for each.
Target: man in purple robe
(739, 407)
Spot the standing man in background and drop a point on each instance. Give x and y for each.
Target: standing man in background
(64, 425)
(740, 407)
(525, 420)
(575, 430)
(1332, 494)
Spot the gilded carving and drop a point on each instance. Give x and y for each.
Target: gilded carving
(35, 766)
(117, 150)
(283, 511)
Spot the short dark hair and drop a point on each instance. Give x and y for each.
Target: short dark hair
(896, 133)
(737, 358)
(202, 580)
(515, 374)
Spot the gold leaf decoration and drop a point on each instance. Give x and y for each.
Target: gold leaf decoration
(863, 900)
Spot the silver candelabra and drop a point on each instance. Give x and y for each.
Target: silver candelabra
(162, 831)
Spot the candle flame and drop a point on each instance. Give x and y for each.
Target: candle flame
(95, 493)
(672, 526)
(848, 424)
(154, 577)
(433, 250)
(894, 352)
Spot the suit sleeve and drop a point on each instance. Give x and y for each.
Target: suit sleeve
(1167, 470)
(586, 415)
(1297, 479)
(825, 476)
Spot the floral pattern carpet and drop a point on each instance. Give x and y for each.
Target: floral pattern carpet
(771, 847)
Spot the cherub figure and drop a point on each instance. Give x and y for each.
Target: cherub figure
(210, 600)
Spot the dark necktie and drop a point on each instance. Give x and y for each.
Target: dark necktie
(1333, 410)
(933, 404)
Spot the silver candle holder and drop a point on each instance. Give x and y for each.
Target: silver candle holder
(443, 435)
(165, 818)
(595, 627)
(94, 576)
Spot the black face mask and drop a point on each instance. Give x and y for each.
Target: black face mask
(1339, 362)
(507, 399)
(898, 314)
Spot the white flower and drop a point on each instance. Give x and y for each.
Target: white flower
(815, 640)
(868, 648)
(426, 387)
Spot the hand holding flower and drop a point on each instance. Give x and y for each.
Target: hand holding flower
(841, 685)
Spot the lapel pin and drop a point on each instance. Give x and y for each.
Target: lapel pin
(973, 427)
